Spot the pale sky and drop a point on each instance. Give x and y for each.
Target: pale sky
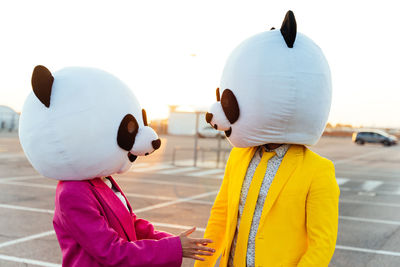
(149, 45)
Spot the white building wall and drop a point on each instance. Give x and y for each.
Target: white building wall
(184, 123)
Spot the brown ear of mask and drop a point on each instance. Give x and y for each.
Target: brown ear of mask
(289, 29)
(144, 116)
(42, 82)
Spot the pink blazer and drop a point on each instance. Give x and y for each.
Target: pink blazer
(94, 228)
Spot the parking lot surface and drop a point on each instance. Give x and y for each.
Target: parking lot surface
(176, 197)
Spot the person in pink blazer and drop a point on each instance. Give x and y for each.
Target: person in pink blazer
(80, 126)
(94, 228)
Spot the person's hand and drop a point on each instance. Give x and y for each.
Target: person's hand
(192, 247)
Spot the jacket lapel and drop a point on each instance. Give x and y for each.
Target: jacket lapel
(116, 206)
(239, 174)
(286, 169)
(114, 183)
(239, 169)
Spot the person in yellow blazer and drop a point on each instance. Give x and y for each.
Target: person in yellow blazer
(278, 202)
(299, 223)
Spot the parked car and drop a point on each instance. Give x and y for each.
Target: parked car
(374, 136)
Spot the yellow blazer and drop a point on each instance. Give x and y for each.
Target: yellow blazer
(298, 225)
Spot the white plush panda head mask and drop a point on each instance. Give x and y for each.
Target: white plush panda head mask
(276, 88)
(82, 123)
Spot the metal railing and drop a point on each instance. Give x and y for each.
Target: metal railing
(221, 154)
(8, 121)
(197, 149)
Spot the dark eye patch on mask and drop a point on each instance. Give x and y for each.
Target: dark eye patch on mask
(127, 132)
(230, 106)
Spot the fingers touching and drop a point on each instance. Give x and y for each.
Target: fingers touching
(193, 247)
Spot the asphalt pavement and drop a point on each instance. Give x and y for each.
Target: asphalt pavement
(176, 197)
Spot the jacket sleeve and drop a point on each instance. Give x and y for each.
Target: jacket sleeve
(81, 217)
(145, 230)
(322, 218)
(216, 225)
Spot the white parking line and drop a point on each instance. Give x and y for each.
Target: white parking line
(365, 172)
(160, 182)
(365, 155)
(172, 198)
(148, 196)
(380, 192)
(184, 162)
(358, 180)
(127, 179)
(28, 261)
(370, 185)
(204, 202)
(341, 181)
(172, 202)
(6, 206)
(18, 178)
(177, 226)
(382, 204)
(27, 238)
(138, 165)
(29, 184)
(205, 164)
(358, 219)
(151, 168)
(373, 251)
(206, 172)
(397, 192)
(179, 170)
(11, 155)
(122, 179)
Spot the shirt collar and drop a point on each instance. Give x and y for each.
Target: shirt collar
(107, 182)
(280, 151)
